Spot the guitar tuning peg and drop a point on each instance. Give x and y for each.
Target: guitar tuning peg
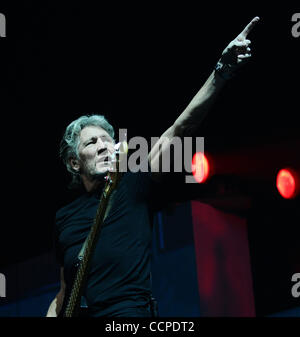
(117, 146)
(121, 147)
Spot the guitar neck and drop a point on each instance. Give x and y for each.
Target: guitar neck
(78, 285)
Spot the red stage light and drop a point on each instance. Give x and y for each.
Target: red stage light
(287, 183)
(200, 167)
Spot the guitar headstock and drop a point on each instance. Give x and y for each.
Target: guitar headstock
(114, 174)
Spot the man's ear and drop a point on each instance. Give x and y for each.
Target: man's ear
(74, 164)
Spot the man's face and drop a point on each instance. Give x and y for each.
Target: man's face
(95, 150)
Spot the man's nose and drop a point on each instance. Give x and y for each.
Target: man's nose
(100, 146)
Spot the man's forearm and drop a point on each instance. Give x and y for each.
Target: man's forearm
(195, 112)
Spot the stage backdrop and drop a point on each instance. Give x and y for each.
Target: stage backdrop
(200, 267)
(201, 263)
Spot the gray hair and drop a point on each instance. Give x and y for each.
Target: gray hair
(70, 141)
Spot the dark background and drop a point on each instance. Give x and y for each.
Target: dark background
(140, 65)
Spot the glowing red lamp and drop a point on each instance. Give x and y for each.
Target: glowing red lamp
(200, 167)
(287, 183)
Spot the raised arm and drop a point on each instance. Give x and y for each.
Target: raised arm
(232, 58)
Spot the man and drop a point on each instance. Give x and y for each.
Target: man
(118, 283)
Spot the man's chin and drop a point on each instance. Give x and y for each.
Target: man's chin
(100, 174)
(103, 170)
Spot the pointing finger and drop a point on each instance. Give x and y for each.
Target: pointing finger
(242, 43)
(249, 27)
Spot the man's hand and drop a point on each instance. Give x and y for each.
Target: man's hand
(237, 52)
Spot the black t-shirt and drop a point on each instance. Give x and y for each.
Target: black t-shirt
(119, 275)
